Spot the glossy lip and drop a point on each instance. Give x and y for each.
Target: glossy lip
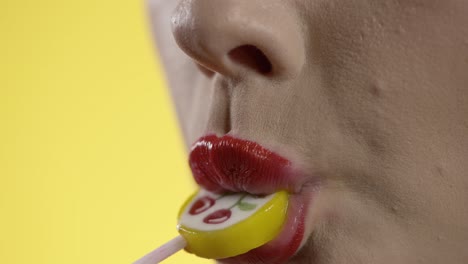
(286, 244)
(228, 164)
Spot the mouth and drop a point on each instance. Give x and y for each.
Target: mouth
(228, 164)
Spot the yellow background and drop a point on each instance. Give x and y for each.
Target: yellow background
(92, 166)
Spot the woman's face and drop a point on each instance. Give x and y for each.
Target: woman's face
(367, 99)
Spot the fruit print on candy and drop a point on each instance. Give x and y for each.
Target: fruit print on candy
(201, 205)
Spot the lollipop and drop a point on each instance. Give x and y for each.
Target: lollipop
(220, 226)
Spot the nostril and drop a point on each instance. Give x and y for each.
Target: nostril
(251, 57)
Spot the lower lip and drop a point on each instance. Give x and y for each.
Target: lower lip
(289, 240)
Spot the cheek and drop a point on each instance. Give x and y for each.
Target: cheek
(193, 99)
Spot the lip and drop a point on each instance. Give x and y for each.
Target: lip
(286, 244)
(229, 164)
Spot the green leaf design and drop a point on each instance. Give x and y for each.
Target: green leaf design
(246, 206)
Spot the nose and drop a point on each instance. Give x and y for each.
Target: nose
(241, 37)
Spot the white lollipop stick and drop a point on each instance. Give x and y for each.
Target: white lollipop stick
(163, 252)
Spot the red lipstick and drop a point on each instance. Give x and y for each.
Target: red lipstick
(226, 163)
(229, 164)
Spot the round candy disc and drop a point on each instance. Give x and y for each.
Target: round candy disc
(221, 226)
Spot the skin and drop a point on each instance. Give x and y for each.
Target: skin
(371, 97)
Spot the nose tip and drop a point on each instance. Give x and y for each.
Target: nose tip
(233, 37)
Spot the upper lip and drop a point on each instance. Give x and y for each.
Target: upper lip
(230, 164)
